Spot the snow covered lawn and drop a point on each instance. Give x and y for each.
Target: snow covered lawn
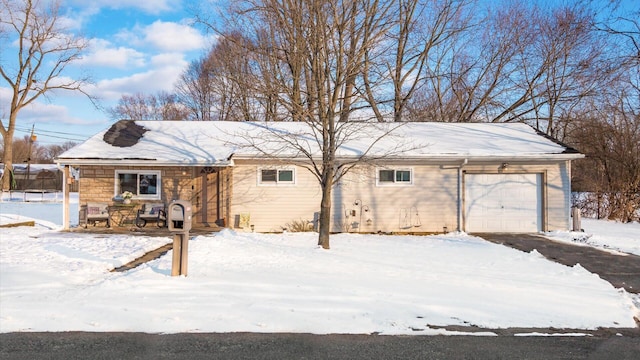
(603, 234)
(57, 281)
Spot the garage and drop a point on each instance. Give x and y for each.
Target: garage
(503, 203)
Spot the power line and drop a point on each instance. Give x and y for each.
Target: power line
(54, 134)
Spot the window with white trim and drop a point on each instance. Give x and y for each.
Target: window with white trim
(276, 176)
(143, 184)
(395, 176)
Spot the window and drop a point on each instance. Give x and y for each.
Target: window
(143, 184)
(388, 177)
(276, 176)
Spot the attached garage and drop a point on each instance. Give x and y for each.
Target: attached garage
(503, 202)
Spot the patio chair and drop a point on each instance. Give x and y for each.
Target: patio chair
(152, 212)
(96, 212)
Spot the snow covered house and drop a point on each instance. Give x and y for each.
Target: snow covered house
(409, 177)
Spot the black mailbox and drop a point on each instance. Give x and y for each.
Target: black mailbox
(179, 216)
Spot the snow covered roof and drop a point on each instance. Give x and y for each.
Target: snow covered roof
(217, 143)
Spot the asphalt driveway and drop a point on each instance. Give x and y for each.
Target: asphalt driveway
(622, 271)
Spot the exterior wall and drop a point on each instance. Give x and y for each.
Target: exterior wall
(97, 184)
(271, 207)
(428, 205)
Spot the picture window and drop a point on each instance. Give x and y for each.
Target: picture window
(143, 185)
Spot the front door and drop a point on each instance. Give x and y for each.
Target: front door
(205, 196)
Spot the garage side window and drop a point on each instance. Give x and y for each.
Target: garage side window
(143, 184)
(395, 177)
(276, 176)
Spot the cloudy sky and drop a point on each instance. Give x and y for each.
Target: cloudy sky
(136, 46)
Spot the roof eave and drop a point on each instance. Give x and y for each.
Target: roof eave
(140, 162)
(434, 157)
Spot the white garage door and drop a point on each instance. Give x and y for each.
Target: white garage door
(503, 202)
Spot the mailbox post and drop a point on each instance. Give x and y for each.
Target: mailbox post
(179, 223)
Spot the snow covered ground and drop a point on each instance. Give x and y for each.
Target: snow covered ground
(605, 235)
(59, 281)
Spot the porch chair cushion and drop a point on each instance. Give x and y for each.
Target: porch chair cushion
(151, 212)
(97, 212)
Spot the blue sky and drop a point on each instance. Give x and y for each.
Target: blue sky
(136, 46)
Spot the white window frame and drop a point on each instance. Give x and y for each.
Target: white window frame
(395, 182)
(277, 182)
(137, 196)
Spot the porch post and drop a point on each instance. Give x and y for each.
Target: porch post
(66, 183)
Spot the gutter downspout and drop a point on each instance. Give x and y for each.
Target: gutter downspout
(460, 173)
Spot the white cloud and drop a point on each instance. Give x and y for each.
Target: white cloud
(171, 36)
(166, 71)
(148, 6)
(103, 54)
(164, 36)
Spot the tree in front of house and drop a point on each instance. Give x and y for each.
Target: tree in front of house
(36, 51)
(314, 51)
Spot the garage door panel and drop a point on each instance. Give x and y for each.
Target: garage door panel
(503, 202)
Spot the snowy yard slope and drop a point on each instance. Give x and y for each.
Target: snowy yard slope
(58, 281)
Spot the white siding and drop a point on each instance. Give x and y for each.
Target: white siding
(271, 208)
(429, 204)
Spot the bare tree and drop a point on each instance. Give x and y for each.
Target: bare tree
(194, 90)
(226, 84)
(418, 35)
(161, 106)
(473, 73)
(44, 50)
(609, 177)
(51, 152)
(573, 65)
(607, 129)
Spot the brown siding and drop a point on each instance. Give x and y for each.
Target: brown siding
(97, 184)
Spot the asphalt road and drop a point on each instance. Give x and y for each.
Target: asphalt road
(98, 346)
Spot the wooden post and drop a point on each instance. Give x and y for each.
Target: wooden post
(184, 260)
(177, 254)
(66, 184)
(180, 254)
(577, 220)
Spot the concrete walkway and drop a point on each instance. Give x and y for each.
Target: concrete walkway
(151, 255)
(622, 271)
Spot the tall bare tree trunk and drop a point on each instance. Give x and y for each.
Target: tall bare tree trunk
(8, 152)
(325, 209)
